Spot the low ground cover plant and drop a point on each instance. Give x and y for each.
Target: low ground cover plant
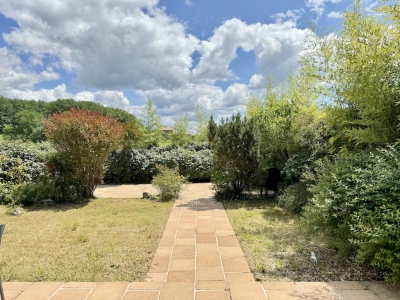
(169, 183)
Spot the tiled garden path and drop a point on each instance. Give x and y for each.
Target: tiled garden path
(198, 257)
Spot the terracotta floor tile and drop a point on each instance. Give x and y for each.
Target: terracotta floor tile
(183, 252)
(40, 290)
(68, 294)
(169, 291)
(316, 290)
(108, 290)
(164, 251)
(223, 225)
(144, 286)
(203, 213)
(208, 260)
(231, 251)
(186, 233)
(160, 264)
(247, 291)
(157, 277)
(169, 233)
(187, 225)
(206, 238)
(166, 242)
(207, 248)
(228, 241)
(11, 295)
(225, 232)
(382, 290)
(209, 274)
(141, 295)
(212, 285)
(284, 295)
(347, 285)
(206, 217)
(205, 230)
(274, 285)
(182, 265)
(181, 276)
(80, 285)
(212, 295)
(187, 220)
(185, 241)
(235, 264)
(16, 286)
(239, 277)
(205, 223)
(357, 294)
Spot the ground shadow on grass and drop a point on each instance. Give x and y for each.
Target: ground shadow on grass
(277, 248)
(55, 207)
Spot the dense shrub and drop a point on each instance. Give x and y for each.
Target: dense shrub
(139, 165)
(356, 198)
(169, 182)
(295, 197)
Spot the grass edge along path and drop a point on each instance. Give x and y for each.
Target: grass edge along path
(103, 240)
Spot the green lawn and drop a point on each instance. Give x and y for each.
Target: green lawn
(104, 240)
(277, 249)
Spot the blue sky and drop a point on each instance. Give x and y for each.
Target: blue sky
(174, 52)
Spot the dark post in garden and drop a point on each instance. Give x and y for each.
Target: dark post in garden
(1, 286)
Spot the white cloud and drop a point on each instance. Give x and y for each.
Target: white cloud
(318, 6)
(189, 2)
(292, 15)
(335, 15)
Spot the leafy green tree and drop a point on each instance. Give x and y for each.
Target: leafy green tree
(236, 153)
(358, 71)
(202, 122)
(132, 136)
(181, 134)
(152, 133)
(85, 140)
(28, 126)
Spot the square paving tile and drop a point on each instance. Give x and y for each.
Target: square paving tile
(239, 277)
(247, 291)
(68, 294)
(235, 264)
(212, 295)
(182, 265)
(185, 241)
(141, 295)
(209, 274)
(187, 220)
(181, 276)
(186, 233)
(40, 290)
(316, 290)
(228, 241)
(205, 230)
(206, 217)
(205, 223)
(207, 248)
(160, 264)
(208, 260)
(212, 285)
(347, 285)
(187, 225)
(274, 285)
(166, 241)
(169, 233)
(144, 286)
(284, 295)
(11, 295)
(231, 251)
(157, 277)
(357, 295)
(169, 291)
(206, 238)
(164, 251)
(108, 290)
(16, 286)
(225, 232)
(183, 252)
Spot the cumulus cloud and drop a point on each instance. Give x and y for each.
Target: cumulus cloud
(318, 6)
(112, 45)
(335, 15)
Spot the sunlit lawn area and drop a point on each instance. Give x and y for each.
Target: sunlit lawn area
(277, 249)
(103, 240)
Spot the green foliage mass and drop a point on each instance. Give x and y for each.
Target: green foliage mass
(356, 198)
(169, 182)
(235, 154)
(139, 165)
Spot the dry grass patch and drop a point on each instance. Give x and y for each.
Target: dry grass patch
(277, 249)
(103, 240)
